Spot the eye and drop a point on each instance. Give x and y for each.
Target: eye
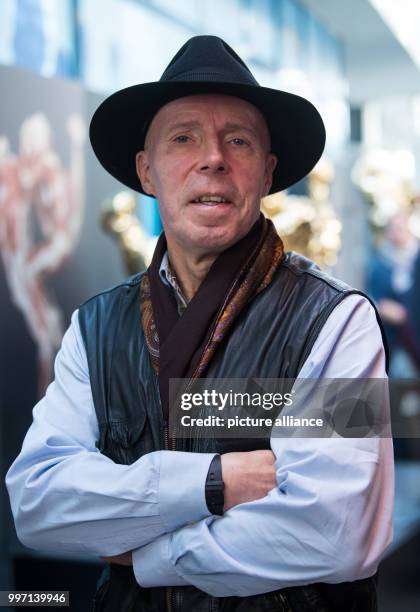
(238, 141)
(182, 138)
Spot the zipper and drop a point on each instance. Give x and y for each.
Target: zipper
(169, 599)
(173, 599)
(170, 443)
(165, 435)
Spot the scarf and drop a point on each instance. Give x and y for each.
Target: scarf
(183, 346)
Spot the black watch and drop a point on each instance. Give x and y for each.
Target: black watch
(215, 498)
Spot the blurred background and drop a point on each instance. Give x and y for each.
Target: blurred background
(68, 230)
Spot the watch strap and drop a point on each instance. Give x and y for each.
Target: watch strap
(214, 488)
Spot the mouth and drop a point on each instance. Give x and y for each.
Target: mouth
(211, 200)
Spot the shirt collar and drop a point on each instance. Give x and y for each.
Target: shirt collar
(168, 278)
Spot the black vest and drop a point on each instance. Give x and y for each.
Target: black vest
(271, 338)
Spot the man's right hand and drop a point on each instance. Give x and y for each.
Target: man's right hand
(247, 476)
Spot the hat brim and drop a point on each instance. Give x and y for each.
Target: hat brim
(117, 129)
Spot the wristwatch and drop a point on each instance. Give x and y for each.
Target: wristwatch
(215, 498)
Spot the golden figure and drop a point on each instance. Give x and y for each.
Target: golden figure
(118, 218)
(308, 224)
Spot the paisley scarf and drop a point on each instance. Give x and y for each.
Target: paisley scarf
(183, 346)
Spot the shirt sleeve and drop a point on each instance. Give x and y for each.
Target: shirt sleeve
(330, 517)
(65, 495)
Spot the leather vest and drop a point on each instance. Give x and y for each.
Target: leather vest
(271, 338)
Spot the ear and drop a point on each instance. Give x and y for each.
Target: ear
(270, 165)
(143, 172)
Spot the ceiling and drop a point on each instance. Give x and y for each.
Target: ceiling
(376, 64)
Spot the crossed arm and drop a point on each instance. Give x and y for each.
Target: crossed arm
(328, 518)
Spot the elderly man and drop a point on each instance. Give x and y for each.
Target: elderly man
(184, 524)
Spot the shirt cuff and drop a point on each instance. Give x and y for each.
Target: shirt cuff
(153, 567)
(182, 497)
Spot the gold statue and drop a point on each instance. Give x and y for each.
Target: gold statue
(119, 220)
(308, 224)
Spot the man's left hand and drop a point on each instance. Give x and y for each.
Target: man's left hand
(124, 559)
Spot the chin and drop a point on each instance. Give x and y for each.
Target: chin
(216, 239)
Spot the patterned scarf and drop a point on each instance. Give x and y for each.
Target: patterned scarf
(182, 347)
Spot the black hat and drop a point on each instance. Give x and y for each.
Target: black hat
(206, 64)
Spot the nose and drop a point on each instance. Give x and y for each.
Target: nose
(213, 159)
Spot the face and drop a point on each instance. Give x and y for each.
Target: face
(207, 162)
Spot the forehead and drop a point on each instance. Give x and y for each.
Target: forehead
(209, 107)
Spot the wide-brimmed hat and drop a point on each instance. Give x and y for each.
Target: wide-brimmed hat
(206, 64)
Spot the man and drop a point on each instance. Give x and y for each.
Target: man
(389, 283)
(300, 527)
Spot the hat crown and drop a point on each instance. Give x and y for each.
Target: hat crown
(208, 58)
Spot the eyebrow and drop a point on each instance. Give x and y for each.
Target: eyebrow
(182, 125)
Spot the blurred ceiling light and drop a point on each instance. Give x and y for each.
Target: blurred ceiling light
(402, 18)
